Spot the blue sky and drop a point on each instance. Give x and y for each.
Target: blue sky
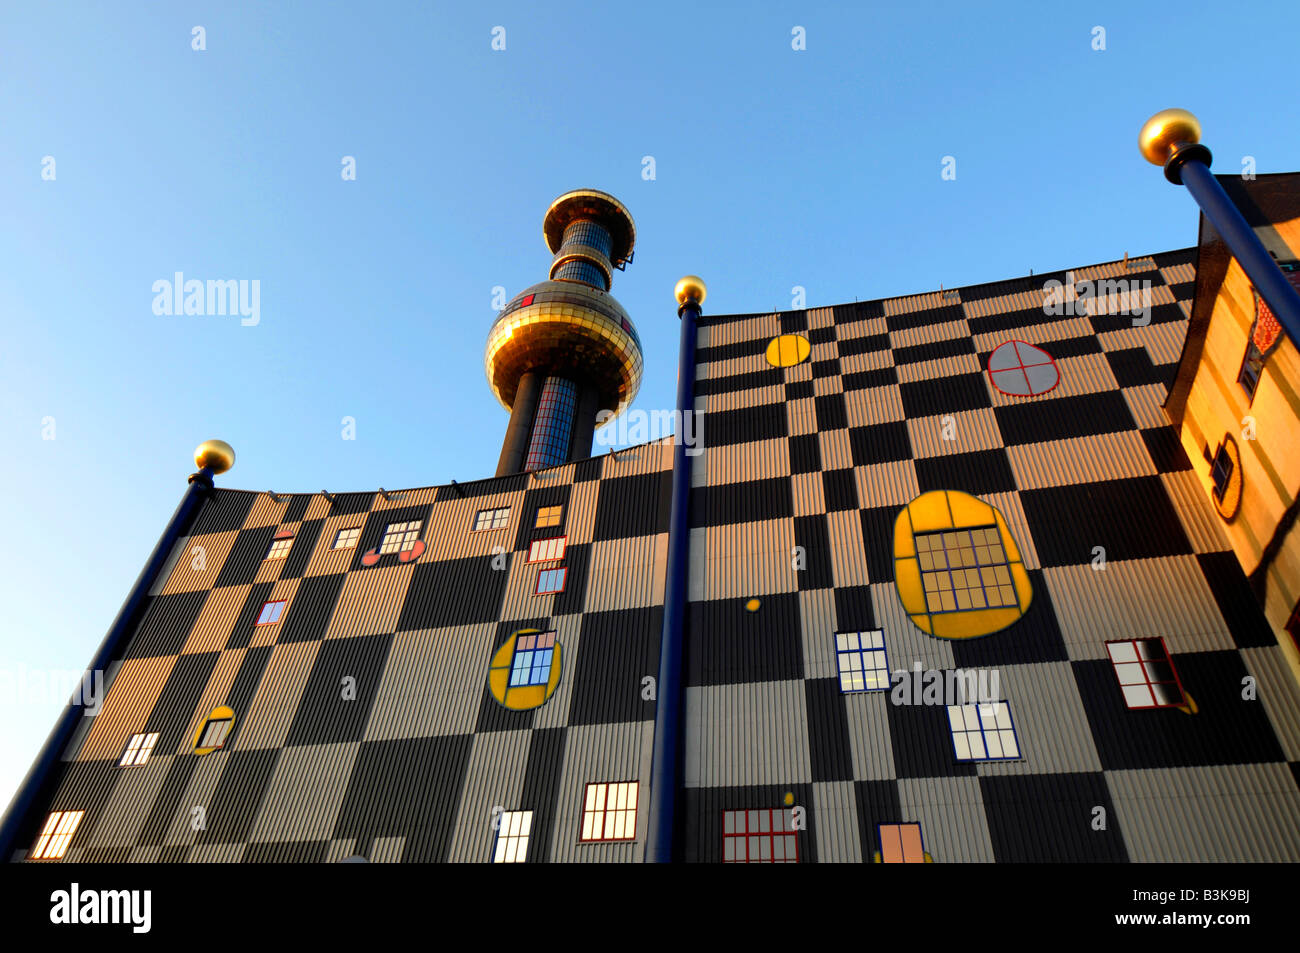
(773, 168)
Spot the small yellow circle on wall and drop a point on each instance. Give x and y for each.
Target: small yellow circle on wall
(752, 605)
(788, 350)
(789, 798)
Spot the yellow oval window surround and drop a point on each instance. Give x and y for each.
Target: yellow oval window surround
(957, 568)
(526, 669)
(787, 350)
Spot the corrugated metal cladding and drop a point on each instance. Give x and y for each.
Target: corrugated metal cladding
(364, 724)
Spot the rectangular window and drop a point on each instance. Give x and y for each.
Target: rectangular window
(983, 732)
(550, 580)
(280, 547)
(1146, 673)
(863, 665)
(399, 537)
(965, 569)
(532, 662)
(511, 846)
(609, 812)
(548, 516)
(271, 612)
(901, 844)
(764, 836)
(492, 519)
(347, 538)
(1252, 366)
(56, 835)
(1221, 471)
(138, 750)
(214, 733)
(547, 550)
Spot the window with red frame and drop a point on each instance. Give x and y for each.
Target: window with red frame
(1146, 673)
(547, 550)
(271, 612)
(609, 812)
(550, 580)
(763, 836)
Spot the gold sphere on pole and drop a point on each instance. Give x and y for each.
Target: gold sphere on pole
(1165, 130)
(691, 288)
(217, 455)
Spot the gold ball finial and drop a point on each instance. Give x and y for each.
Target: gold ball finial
(690, 288)
(1166, 129)
(216, 454)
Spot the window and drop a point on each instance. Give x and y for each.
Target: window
(1221, 471)
(492, 519)
(965, 569)
(548, 516)
(138, 750)
(271, 612)
(550, 580)
(347, 538)
(512, 837)
(280, 547)
(1252, 366)
(1146, 673)
(765, 836)
(546, 550)
(532, 661)
(901, 844)
(863, 665)
(400, 537)
(1018, 369)
(983, 732)
(609, 812)
(56, 835)
(214, 732)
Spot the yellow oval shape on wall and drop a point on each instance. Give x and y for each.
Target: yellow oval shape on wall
(957, 568)
(787, 350)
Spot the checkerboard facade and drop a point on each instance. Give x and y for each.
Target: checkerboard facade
(364, 724)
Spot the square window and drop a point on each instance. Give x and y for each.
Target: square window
(901, 844)
(271, 612)
(862, 661)
(550, 580)
(400, 537)
(983, 732)
(138, 749)
(347, 538)
(1146, 673)
(609, 812)
(759, 837)
(280, 547)
(513, 830)
(964, 570)
(547, 550)
(492, 519)
(548, 516)
(56, 835)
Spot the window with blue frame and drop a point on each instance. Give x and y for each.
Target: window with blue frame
(532, 662)
(862, 662)
(983, 732)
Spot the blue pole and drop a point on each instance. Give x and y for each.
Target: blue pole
(665, 772)
(34, 791)
(1256, 262)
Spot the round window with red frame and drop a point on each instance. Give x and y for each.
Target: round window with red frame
(1019, 369)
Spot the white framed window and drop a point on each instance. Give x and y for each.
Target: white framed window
(492, 519)
(1146, 673)
(511, 845)
(547, 550)
(609, 812)
(550, 580)
(347, 538)
(56, 835)
(399, 537)
(548, 516)
(983, 732)
(280, 547)
(138, 749)
(862, 661)
(764, 836)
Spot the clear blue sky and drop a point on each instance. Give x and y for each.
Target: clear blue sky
(774, 168)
